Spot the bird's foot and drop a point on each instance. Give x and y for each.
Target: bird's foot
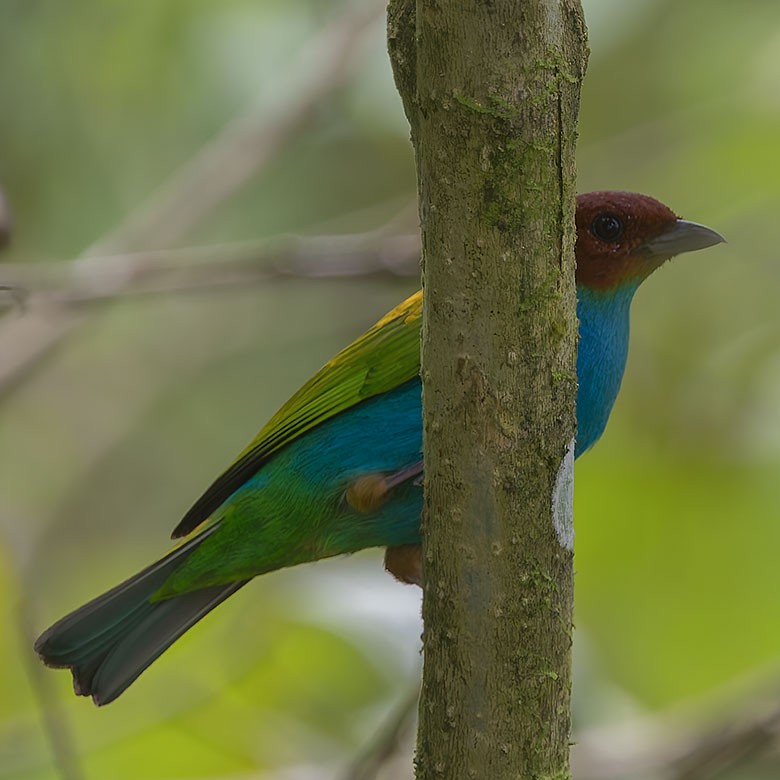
(405, 563)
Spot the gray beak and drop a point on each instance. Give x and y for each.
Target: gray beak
(683, 236)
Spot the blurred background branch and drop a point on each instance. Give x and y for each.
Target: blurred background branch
(249, 142)
(674, 745)
(202, 268)
(5, 221)
(10, 295)
(688, 743)
(56, 726)
(238, 153)
(388, 756)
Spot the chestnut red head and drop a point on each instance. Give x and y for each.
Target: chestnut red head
(622, 237)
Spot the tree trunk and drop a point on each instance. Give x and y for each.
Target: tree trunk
(491, 90)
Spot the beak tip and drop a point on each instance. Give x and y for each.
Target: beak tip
(683, 236)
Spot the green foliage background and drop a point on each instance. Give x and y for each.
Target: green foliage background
(106, 444)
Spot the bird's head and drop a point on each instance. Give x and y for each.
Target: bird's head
(622, 237)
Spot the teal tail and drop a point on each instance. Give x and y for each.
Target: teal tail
(108, 642)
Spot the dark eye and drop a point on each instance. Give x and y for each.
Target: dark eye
(607, 227)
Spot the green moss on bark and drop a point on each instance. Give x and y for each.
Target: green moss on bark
(491, 90)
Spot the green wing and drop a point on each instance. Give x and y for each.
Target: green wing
(383, 358)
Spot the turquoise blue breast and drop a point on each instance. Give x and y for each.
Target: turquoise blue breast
(384, 434)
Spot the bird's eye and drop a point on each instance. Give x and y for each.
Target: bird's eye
(607, 227)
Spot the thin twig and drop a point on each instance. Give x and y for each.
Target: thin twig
(730, 745)
(6, 223)
(238, 153)
(194, 268)
(14, 296)
(668, 747)
(393, 740)
(247, 143)
(55, 726)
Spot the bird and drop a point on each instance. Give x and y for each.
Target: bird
(339, 467)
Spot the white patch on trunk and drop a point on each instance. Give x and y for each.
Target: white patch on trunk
(563, 500)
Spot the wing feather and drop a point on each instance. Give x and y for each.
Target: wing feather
(386, 356)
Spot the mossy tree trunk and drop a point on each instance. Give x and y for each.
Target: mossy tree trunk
(491, 90)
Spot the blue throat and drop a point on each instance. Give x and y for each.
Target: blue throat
(384, 434)
(601, 358)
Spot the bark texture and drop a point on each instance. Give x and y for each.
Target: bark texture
(491, 89)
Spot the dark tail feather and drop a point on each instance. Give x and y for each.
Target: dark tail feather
(108, 642)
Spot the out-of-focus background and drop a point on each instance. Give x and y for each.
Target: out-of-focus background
(218, 132)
